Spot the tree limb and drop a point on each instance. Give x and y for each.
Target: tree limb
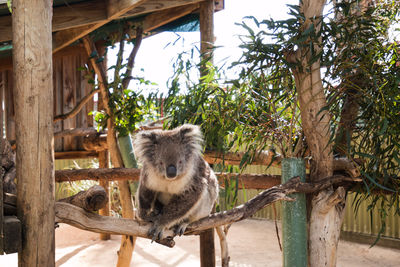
(66, 213)
(77, 108)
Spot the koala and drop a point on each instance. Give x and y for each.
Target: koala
(177, 186)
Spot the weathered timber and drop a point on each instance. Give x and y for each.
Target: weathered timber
(77, 107)
(105, 211)
(76, 155)
(2, 171)
(246, 181)
(231, 158)
(114, 8)
(92, 199)
(33, 88)
(67, 213)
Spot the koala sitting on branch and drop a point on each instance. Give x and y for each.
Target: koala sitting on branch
(177, 186)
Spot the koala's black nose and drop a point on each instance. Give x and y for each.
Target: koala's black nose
(171, 171)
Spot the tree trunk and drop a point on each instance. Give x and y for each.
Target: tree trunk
(327, 208)
(33, 87)
(104, 163)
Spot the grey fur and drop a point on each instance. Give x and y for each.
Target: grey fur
(179, 200)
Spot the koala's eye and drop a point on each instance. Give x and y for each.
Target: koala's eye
(180, 162)
(160, 163)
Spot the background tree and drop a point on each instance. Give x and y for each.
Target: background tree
(319, 85)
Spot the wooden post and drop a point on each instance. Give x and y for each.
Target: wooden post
(33, 87)
(207, 246)
(104, 163)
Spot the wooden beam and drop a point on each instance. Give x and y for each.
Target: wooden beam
(157, 19)
(75, 154)
(114, 9)
(64, 17)
(245, 181)
(33, 87)
(157, 5)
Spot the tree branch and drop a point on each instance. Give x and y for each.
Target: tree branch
(77, 108)
(66, 213)
(131, 59)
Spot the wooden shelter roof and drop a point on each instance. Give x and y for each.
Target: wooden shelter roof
(73, 19)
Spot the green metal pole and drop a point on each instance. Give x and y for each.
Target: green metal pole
(294, 217)
(126, 148)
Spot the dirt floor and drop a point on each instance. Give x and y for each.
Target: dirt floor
(251, 243)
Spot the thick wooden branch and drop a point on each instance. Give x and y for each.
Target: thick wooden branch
(77, 108)
(104, 174)
(131, 58)
(92, 199)
(230, 158)
(66, 213)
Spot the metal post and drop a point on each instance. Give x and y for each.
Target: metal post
(294, 217)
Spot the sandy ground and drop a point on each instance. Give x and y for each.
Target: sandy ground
(251, 243)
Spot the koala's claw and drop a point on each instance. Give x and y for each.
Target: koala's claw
(156, 232)
(180, 228)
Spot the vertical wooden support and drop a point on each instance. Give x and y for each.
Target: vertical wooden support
(294, 217)
(103, 155)
(33, 84)
(207, 246)
(104, 163)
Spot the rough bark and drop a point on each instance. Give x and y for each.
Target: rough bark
(105, 211)
(315, 121)
(33, 87)
(66, 213)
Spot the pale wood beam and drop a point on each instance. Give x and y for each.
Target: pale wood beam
(114, 9)
(157, 19)
(64, 17)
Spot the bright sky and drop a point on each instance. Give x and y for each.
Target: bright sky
(156, 58)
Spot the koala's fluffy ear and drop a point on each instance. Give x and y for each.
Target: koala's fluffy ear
(143, 144)
(191, 135)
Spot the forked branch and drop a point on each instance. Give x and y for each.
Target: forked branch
(66, 213)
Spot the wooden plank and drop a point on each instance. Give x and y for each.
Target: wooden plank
(64, 17)
(157, 19)
(157, 5)
(33, 85)
(69, 99)
(75, 154)
(114, 8)
(104, 163)
(58, 100)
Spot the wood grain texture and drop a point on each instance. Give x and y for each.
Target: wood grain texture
(33, 86)
(104, 163)
(114, 9)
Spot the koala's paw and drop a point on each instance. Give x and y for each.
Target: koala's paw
(180, 229)
(156, 231)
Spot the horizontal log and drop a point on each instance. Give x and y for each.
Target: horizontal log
(76, 154)
(264, 158)
(248, 181)
(104, 174)
(67, 213)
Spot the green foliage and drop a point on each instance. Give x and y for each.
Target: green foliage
(129, 106)
(259, 108)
